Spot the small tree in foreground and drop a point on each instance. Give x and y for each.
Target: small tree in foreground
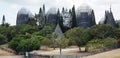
(46, 42)
(14, 44)
(62, 43)
(24, 45)
(79, 36)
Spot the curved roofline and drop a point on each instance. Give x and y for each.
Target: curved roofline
(84, 8)
(25, 11)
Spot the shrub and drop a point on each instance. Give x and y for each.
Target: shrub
(100, 43)
(24, 45)
(3, 39)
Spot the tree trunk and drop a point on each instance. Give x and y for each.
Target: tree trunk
(54, 45)
(46, 47)
(79, 49)
(86, 49)
(60, 52)
(54, 48)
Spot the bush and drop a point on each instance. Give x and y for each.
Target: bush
(3, 39)
(100, 43)
(24, 45)
(109, 42)
(29, 45)
(14, 44)
(95, 44)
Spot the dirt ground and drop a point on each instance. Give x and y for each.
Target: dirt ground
(50, 51)
(110, 54)
(5, 53)
(70, 50)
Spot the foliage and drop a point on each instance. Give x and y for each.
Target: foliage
(100, 43)
(47, 30)
(24, 36)
(14, 44)
(73, 34)
(78, 35)
(8, 31)
(95, 44)
(73, 17)
(3, 39)
(23, 45)
(46, 41)
(23, 29)
(6, 24)
(29, 45)
(101, 31)
(39, 38)
(54, 38)
(32, 22)
(62, 43)
(109, 42)
(30, 36)
(84, 37)
(116, 33)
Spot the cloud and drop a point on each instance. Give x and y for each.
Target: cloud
(106, 2)
(23, 2)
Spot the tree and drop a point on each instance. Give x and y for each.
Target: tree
(83, 39)
(73, 17)
(32, 22)
(98, 43)
(24, 45)
(48, 29)
(8, 31)
(3, 39)
(46, 42)
(116, 33)
(95, 44)
(23, 29)
(29, 45)
(3, 20)
(60, 20)
(54, 38)
(73, 34)
(93, 18)
(25, 36)
(78, 35)
(62, 43)
(101, 31)
(41, 17)
(14, 44)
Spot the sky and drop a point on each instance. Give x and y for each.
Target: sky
(9, 8)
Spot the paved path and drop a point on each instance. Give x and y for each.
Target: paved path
(109, 54)
(56, 52)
